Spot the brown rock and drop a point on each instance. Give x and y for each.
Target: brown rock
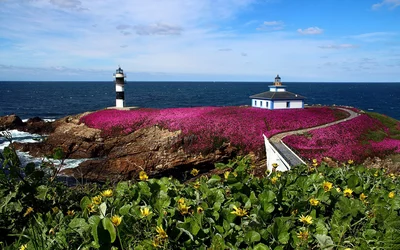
(10, 122)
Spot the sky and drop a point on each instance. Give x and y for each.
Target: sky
(200, 40)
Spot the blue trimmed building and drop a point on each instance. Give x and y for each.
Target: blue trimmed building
(277, 98)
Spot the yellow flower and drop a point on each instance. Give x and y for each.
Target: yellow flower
(363, 197)
(239, 211)
(23, 247)
(156, 242)
(116, 220)
(71, 212)
(306, 219)
(234, 174)
(226, 175)
(200, 210)
(28, 211)
(278, 175)
(327, 186)
(181, 201)
(143, 176)
(91, 208)
(350, 162)
(55, 210)
(391, 195)
(107, 193)
(183, 208)
(315, 162)
(347, 249)
(161, 232)
(303, 235)
(294, 212)
(338, 190)
(314, 202)
(145, 211)
(347, 192)
(96, 200)
(376, 174)
(194, 172)
(274, 180)
(196, 185)
(275, 165)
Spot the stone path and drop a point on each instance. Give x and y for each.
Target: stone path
(288, 155)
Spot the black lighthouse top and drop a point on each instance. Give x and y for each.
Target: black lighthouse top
(119, 71)
(277, 81)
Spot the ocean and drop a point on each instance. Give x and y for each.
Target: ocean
(52, 100)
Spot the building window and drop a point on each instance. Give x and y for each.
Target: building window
(261, 103)
(287, 104)
(266, 104)
(255, 103)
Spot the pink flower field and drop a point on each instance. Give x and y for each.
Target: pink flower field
(205, 128)
(356, 139)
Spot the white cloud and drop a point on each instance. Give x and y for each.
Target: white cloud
(271, 25)
(374, 36)
(339, 46)
(311, 31)
(390, 3)
(68, 4)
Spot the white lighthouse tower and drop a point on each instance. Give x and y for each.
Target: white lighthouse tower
(119, 88)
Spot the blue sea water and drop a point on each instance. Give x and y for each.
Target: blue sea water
(58, 99)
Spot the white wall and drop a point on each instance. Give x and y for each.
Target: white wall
(257, 103)
(298, 104)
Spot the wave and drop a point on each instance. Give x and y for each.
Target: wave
(25, 158)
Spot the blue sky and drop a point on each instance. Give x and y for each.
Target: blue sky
(213, 40)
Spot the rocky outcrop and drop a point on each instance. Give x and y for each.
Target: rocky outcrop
(74, 138)
(154, 149)
(34, 125)
(10, 122)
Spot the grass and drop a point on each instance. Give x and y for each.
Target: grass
(392, 124)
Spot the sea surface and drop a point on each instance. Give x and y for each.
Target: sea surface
(52, 100)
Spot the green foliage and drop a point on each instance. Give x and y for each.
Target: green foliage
(392, 124)
(234, 210)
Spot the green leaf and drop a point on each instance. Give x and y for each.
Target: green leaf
(108, 225)
(324, 241)
(321, 227)
(252, 236)
(42, 192)
(79, 225)
(284, 237)
(214, 179)
(58, 154)
(94, 222)
(121, 188)
(144, 188)
(194, 227)
(268, 207)
(124, 210)
(85, 201)
(267, 196)
(353, 181)
(103, 210)
(261, 246)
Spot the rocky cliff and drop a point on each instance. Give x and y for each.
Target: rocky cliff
(154, 150)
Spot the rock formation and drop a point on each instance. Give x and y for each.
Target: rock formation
(155, 150)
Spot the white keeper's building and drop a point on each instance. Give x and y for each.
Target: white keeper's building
(277, 98)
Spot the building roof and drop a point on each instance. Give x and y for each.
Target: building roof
(284, 95)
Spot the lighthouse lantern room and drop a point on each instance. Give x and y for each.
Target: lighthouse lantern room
(119, 88)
